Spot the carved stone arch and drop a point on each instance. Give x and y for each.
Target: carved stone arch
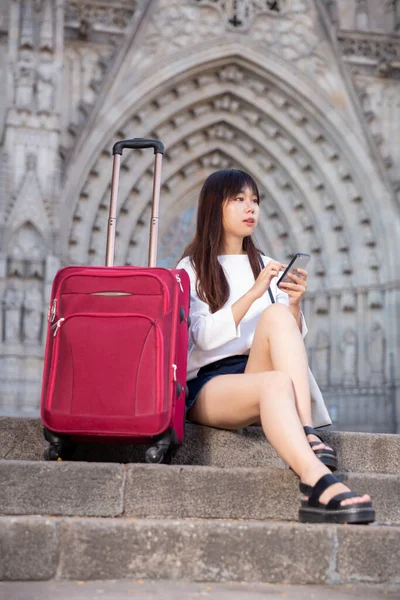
(179, 225)
(172, 172)
(287, 78)
(187, 199)
(287, 145)
(173, 150)
(182, 162)
(271, 238)
(27, 252)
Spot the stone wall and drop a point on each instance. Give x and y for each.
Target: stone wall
(302, 94)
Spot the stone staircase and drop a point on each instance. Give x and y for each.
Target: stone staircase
(102, 516)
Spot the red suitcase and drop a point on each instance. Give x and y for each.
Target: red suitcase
(116, 350)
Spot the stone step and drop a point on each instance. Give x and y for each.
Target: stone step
(171, 491)
(40, 548)
(139, 589)
(22, 439)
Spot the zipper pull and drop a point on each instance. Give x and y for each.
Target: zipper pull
(57, 326)
(53, 310)
(180, 282)
(174, 367)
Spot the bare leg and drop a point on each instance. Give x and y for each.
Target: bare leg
(278, 345)
(235, 401)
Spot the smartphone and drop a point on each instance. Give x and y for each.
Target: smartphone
(299, 261)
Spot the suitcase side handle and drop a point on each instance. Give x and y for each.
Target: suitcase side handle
(136, 143)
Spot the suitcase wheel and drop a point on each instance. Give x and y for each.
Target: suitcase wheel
(60, 447)
(157, 456)
(51, 453)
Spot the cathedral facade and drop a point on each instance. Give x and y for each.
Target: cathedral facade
(302, 94)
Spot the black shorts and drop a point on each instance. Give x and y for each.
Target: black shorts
(226, 366)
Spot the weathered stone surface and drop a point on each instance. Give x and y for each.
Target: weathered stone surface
(384, 491)
(184, 590)
(366, 452)
(171, 491)
(61, 488)
(370, 554)
(358, 452)
(28, 548)
(210, 492)
(195, 550)
(21, 439)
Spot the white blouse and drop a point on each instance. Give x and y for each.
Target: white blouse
(215, 336)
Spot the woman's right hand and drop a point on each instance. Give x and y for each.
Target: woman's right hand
(264, 279)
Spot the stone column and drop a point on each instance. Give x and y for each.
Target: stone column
(362, 16)
(30, 187)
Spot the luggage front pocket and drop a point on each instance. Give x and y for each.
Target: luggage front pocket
(106, 364)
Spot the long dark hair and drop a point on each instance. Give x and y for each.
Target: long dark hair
(212, 286)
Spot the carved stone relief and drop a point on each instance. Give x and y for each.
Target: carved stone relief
(381, 102)
(12, 314)
(367, 15)
(178, 123)
(349, 350)
(285, 27)
(99, 15)
(376, 353)
(32, 322)
(28, 202)
(85, 67)
(45, 88)
(27, 253)
(321, 357)
(241, 14)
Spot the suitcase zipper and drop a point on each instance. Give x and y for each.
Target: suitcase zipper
(105, 270)
(51, 315)
(180, 282)
(57, 326)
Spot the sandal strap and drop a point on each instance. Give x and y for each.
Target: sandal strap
(311, 431)
(334, 503)
(305, 489)
(322, 484)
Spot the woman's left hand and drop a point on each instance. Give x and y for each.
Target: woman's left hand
(296, 288)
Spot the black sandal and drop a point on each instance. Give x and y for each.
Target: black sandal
(325, 455)
(312, 511)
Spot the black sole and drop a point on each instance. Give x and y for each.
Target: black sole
(355, 516)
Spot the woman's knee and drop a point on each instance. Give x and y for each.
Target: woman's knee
(278, 313)
(277, 382)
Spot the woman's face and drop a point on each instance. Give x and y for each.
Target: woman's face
(240, 214)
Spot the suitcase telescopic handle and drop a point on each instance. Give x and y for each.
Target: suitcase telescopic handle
(138, 144)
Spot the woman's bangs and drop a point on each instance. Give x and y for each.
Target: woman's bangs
(237, 181)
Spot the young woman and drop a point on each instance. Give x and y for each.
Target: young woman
(247, 360)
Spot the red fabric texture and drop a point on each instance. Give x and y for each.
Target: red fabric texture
(111, 345)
